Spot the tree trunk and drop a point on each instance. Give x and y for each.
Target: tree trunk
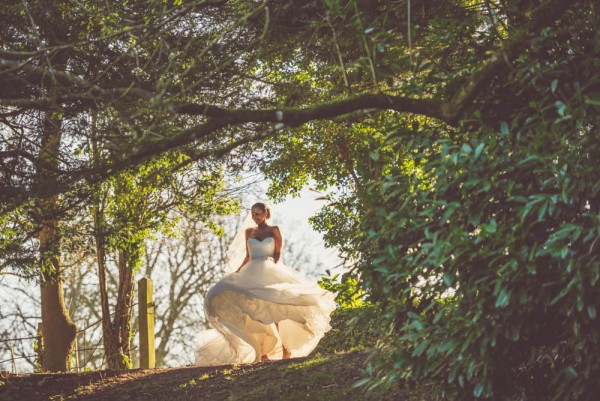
(58, 331)
(124, 309)
(116, 331)
(108, 335)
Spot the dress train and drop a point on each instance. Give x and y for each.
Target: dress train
(244, 307)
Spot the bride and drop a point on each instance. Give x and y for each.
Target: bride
(264, 310)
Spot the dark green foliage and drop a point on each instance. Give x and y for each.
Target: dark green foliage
(355, 324)
(353, 329)
(480, 240)
(507, 218)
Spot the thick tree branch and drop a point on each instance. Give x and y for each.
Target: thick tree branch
(449, 111)
(328, 110)
(72, 87)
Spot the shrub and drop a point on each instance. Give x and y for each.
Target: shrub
(505, 217)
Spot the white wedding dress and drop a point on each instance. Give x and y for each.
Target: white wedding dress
(243, 308)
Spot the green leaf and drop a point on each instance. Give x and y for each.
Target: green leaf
(491, 227)
(448, 347)
(571, 371)
(361, 382)
(478, 150)
(542, 211)
(478, 390)
(417, 325)
(422, 65)
(452, 374)
(420, 348)
(593, 98)
(553, 85)
(504, 128)
(454, 158)
(447, 214)
(591, 310)
(503, 298)
(560, 108)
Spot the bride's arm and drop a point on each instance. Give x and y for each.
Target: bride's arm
(278, 243)
(247, 258)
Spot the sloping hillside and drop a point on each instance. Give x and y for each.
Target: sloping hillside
(329, 377)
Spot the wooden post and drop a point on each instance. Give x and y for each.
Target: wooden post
(146, 313)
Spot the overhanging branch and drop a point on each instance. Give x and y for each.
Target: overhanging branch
(448, 110)
(321, 111)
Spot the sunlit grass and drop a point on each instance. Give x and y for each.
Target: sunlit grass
(194, 381)
(306, 364)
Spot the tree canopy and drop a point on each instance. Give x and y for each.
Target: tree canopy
(153, 64)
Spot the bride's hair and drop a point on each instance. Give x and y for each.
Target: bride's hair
(264, 207)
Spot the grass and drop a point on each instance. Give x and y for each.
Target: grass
(329, 374)
(321, 377)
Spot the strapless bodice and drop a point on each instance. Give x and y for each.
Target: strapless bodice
(261, 249)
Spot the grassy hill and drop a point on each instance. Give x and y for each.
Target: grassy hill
(329, 377)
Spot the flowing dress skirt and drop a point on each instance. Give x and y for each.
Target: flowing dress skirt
(243, 308)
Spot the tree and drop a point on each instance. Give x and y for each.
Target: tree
(58, 330)
(184, 267)
(131, 209)
(183, 263)
(133, 61)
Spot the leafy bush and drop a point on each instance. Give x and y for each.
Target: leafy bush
(353, 329)
(355, 324)
(506, 218)
(347, 293)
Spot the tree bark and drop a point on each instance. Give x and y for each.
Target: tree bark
(58, 331)
(108, 337)
(116, 331)
(124, 308)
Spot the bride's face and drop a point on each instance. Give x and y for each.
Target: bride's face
(258, 215)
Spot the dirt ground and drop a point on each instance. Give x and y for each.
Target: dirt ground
(328, 378)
